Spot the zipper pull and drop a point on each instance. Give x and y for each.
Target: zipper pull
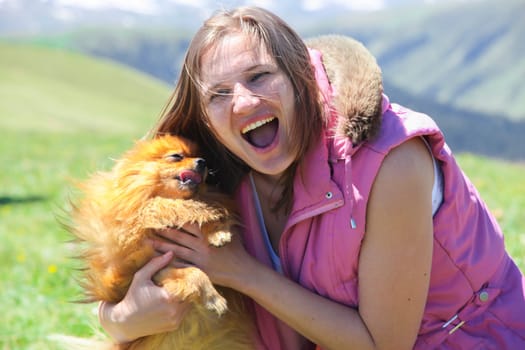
(352, 223)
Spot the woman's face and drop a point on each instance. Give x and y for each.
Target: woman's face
(249, 102)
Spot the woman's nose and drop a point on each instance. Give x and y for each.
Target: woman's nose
(243, 98)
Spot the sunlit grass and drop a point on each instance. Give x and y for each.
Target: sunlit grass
(38, 283)
(501, 185)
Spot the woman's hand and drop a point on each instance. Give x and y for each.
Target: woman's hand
(146, 309)
(223, 265)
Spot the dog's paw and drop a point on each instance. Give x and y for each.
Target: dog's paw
(156, 223)
(216, 303)
(193, 285)
(220, 238)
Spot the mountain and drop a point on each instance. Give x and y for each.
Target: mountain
(469, 55)
(462, 62)
(467, 130)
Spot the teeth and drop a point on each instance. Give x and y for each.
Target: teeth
(257, 124)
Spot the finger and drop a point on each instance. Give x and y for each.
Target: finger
(180, 264)
(179, 239)
(172, 234)
(154, 265)
(182, 254)
(192, 229)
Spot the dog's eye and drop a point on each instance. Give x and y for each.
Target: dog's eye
(175, 157)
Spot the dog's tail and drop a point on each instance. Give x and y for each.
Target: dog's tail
(67, 342)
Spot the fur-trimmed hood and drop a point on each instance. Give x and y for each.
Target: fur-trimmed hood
(357, 82)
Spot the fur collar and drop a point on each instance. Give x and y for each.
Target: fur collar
(357, 82)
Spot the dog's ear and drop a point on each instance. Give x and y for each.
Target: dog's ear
(357, 81)
(133, 184)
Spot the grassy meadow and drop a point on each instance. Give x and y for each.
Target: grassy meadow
(62, 116)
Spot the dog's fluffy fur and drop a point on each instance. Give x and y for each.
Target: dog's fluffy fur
(358, 84)
(159, 184)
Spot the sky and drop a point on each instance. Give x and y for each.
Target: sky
(149, 6)
(359, 5)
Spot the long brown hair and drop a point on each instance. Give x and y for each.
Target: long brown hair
(185, 112)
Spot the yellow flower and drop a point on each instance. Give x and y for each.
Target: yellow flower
(21, 257)
(52, 269)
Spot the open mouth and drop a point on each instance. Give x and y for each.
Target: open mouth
(189, 178)
(261, 133)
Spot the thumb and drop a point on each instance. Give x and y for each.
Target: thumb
(153, 266)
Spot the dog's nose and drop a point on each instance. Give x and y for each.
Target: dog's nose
(200, 165)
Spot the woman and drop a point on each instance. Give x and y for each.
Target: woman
(372, 239)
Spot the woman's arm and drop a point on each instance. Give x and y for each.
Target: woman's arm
(394, 265)
(396, 255)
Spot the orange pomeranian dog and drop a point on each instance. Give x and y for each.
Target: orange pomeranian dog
(156, 185)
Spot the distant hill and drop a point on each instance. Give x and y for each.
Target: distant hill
(58, 91)
(450, 61)
(466, 130)
(468, 55)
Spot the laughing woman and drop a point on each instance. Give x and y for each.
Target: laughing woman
(360, 231)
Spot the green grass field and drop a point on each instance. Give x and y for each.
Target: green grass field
(62, 116)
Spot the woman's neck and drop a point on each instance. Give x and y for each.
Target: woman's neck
(269, 191)
(267, 183)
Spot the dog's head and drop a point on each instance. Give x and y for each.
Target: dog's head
(167, 166)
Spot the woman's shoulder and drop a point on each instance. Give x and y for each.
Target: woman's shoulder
(406, 172)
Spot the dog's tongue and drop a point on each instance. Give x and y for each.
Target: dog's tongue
(263, 135)
(188, 175)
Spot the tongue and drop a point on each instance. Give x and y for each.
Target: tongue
(263, 135)
(189, 175)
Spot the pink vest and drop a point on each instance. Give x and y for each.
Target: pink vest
(476, 298)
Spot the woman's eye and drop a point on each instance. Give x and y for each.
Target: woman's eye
(257, 76)
(175, 157)
(219, 93)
